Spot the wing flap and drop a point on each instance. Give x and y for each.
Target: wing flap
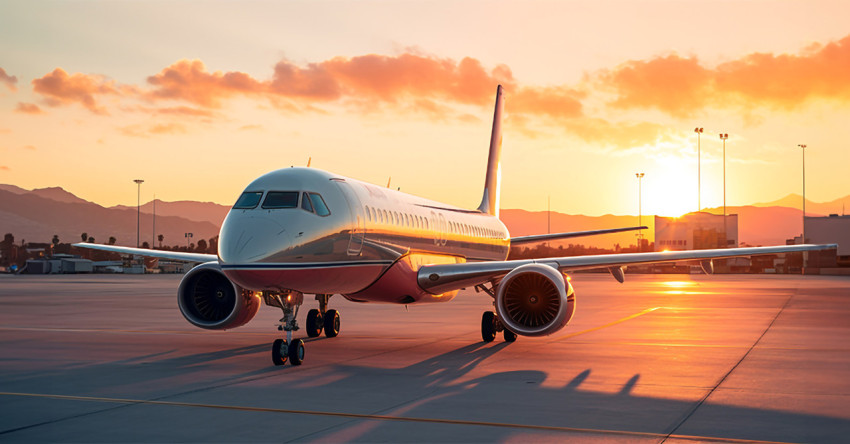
(438, 279)
(173, 255)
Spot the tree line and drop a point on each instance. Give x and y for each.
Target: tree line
(17, 253)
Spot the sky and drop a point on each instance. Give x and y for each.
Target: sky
(198, 98)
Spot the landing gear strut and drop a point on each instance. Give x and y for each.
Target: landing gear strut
(322, 319)
(490, 323)
(283, 349)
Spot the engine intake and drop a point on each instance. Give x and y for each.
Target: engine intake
(535, 300)
(208, 299)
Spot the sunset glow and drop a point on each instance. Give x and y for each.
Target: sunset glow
(94, 94)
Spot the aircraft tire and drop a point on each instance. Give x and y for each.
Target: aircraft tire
(509, 335)
(280, 351)
(488, 326)
(315, 323)
(331, 323)
(296, 352)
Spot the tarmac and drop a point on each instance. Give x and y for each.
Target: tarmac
(661, 358)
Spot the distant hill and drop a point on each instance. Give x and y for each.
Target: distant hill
(36, 215)
(837, 206)
(35, 218)
(198, 211)
(524, 223)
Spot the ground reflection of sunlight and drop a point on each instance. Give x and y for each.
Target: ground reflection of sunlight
(682, 287)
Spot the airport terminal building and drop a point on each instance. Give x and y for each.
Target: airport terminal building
(696, 231)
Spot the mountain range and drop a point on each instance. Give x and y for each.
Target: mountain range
(36, 215)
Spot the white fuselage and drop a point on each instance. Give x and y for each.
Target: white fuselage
(367, 245)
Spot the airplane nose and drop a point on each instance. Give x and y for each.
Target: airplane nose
(251, 238)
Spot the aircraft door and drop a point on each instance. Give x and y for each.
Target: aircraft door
(358, 215)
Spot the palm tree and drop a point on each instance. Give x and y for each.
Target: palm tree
(85, 236)
(160, 238)
(112, 240)
(91, 240)
(55, 240)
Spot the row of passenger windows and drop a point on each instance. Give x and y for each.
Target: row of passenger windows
(275, 200)
(402, 219)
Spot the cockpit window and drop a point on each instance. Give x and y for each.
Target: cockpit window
(281, 199)
(248, 200)
(319, 205)
(305, 203)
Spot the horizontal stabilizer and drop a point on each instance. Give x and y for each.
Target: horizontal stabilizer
(556, 236)
(162, 254)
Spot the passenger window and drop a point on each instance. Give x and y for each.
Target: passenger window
(281, 199)
(305, 203)
(248, 200)
(319, 205)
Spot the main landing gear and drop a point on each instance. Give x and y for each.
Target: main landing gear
(490, 326)
(290, 349)
(323, 319)
(490, 323)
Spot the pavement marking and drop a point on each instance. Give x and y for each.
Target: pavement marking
(383, 417)
(116, 330)
(610, 324)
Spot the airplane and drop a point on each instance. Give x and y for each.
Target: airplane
(297, 231)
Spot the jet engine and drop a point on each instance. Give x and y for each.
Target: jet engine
(208, 299)
(535, 300)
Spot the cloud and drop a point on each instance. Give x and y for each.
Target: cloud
(4, 168)
(190, 81)
(167, 128)
(28, 108)
(157, 129)
(250, 127)
(682, 86)
(8, 80)
(29, 147)
(60, 88)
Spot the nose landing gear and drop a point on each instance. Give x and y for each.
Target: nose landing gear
(286, 349)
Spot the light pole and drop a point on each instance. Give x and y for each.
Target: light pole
(139, 182)
(640, 212)
(803, 240)
(723, 137)
(699, 169)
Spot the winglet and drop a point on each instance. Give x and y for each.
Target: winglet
(490, 199)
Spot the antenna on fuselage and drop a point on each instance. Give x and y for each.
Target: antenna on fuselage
(389, 180)
(309, 159)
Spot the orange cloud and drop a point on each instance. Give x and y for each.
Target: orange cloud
(189, 80)
(168, 128)
(671, 84)
(60, 88)
(28, 108)
(682, 86)
(4, 168)
(8, 80)
(556, 102)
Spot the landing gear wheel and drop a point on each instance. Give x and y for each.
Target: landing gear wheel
(488, 326)
(315, 323)
(509, 335)
(331, 323)
(296, 352)
(280, 350)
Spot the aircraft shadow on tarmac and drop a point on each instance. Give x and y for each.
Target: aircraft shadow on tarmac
(437, 387)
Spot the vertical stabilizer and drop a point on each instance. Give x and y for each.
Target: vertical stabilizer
(490, 200)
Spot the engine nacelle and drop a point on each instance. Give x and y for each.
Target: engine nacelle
(535, 300)
(208, 299)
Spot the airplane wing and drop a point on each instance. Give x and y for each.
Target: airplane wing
(438, 279)
(554, 236)
(162, 254)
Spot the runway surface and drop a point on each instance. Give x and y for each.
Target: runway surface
(671, 358)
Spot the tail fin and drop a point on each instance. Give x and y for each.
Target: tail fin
(490, 200)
